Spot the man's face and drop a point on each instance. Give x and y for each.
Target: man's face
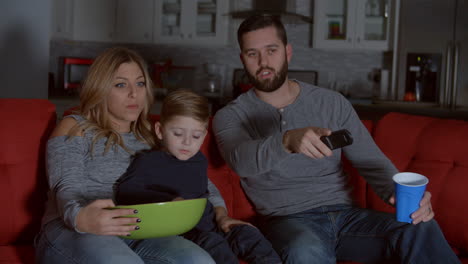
(265, 58)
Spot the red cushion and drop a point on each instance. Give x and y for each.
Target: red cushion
(26, 125)
(17, 254)
(243, 208)
(436, 148)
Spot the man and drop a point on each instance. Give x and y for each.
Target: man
(270, 136)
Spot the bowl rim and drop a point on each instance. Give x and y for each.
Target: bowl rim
(158, 203)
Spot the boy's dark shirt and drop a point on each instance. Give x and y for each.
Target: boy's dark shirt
(157, 176)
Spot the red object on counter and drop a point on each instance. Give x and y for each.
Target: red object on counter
(68, 63)
(409, 97)
(159, 68)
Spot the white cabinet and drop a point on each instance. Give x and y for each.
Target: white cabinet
(104, 20)
(93, 20)
(134, 21)
(352, 24)
(191, 21)
(62, 19)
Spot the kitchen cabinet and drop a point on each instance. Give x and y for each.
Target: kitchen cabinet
(93, 20)
(105, 20)
(61, 19)
(191, 22)
(134, 22)
(352, 24)
(438, 28)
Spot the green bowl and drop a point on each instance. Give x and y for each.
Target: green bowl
(167, 218)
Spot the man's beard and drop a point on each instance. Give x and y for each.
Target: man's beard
(269, 85)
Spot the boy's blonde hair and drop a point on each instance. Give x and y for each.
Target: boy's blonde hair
(94, 93)
(185, 103)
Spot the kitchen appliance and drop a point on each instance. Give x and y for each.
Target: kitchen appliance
(274, 7)
(211, 80)
(168, 77)
(380, 81)
(72, 71)
(422, 76)
(435, 27)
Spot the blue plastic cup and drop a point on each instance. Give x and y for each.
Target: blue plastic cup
(409, 190)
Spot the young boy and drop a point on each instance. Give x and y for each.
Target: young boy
(177, 169)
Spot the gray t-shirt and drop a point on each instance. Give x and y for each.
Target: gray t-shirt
(249, 133)
(77, 177)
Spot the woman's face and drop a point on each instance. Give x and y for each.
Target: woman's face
(127, 96)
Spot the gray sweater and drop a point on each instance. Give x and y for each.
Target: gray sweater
(249, 133)
(77, 178)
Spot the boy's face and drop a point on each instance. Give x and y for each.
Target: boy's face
(181, 136)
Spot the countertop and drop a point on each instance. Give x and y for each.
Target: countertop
(367, 109)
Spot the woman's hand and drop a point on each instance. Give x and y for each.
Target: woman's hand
(96, 219)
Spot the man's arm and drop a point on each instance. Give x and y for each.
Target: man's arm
(365, 155)
(246, 155)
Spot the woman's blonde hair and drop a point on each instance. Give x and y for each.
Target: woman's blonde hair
(94, 94)
(184, 103)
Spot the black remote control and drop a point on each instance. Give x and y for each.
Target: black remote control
(338, 139)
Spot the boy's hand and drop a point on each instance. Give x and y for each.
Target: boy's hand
(225, 223)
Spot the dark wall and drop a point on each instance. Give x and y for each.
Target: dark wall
(24, 48)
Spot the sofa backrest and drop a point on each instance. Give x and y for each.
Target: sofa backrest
(26, 126)
(438, 149)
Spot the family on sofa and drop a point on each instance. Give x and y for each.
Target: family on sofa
(270, 136)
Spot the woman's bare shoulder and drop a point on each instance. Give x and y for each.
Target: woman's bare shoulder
(64, 126)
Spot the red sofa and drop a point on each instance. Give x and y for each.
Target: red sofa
(437, 148)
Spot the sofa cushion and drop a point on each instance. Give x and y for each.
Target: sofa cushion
(26, 125)
(17, 254)
(242, 207)
(437, 149)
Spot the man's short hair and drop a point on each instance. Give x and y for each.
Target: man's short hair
(259, 21)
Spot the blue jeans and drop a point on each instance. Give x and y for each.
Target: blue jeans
(57, 244)
(244, 241)
(330, 233)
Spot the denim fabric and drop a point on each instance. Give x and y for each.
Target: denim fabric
(330, 233)
(57, 244)
(242, 241)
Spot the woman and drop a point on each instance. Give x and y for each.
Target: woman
(86, 154)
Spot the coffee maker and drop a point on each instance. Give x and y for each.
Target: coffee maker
(422, 77)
